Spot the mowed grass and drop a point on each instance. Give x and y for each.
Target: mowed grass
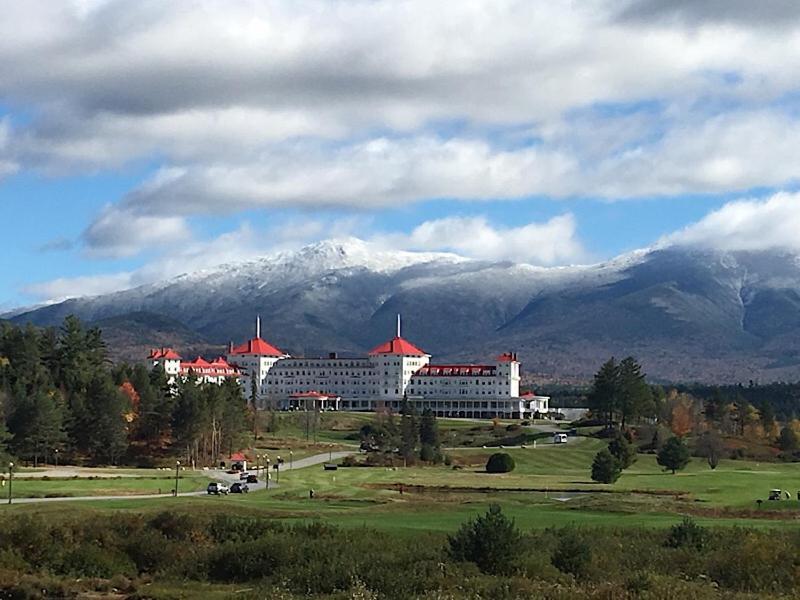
(106, 486)
(550, 487)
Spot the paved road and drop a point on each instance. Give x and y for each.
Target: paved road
(300, 463)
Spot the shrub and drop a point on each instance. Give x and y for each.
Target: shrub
(787, 440)
(687, 534)
(500, 462)
(621, 449)
(491, 541)
(605, 467)
(572, 555)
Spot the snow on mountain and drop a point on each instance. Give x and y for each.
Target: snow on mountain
(687, 313)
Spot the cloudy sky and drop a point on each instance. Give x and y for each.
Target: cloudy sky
(142, 139)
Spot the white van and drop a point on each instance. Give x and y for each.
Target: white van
(559, 438)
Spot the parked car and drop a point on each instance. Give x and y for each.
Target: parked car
(243, 476)
(240, 488)
(252, 479)
(217, 489)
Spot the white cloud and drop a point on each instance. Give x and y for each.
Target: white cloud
(118, 233)
(766, 224)
(242, 244)
(554, 242)
(111, 81)
(62, 288)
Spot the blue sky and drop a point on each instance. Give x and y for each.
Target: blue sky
(142, 140)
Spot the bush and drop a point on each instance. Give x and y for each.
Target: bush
(572, 555)
(500, 462)
(687, 534)
(491, 541)
(621, 449)
(605, 467)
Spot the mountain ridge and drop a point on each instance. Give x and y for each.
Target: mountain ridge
(688, 313)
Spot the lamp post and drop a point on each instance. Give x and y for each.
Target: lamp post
(177, 466)
(56, 453)
(10, 479)
(330, 453)
(266, 466)
(291, 462)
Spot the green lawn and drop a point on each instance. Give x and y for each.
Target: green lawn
(549, 487)
(152, 484)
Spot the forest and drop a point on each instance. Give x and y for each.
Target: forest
(61, 399)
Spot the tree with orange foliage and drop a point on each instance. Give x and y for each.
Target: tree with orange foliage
(681, 415)
(133, 399)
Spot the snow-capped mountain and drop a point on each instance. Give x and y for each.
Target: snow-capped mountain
(688, 314)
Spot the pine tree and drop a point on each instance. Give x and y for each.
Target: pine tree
(409, 432)
(604, 396)
(605, 467)
(491, 541)
(635, 396)
(428, 435)
(108, 430)
(674, 455)
(621, 449)
(36, 424)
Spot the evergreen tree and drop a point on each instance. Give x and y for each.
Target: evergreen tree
(107, 430)
(409, 432)
(787, 440)
(635, 396)
(621, 449)
(604, 396)
(188, 417)
(234, 417)
(36, 424)
(428, 435)
(674, 455)
(605, 467)
(491, 541)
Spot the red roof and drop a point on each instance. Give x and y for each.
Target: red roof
(257, 346)
(453, 370)
(507, 357)
(165, 353)
(399, 346)
(238, 456)
(197, 362)
(311, 394)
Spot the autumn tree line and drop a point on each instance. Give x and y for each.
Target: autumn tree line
(62, 399)
(710, 422)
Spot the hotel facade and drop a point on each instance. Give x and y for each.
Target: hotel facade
(389, 374)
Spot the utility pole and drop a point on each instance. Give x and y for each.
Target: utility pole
(177, 466)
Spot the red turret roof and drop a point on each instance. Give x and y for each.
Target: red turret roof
(399, 346)
(257, 346)
(164, 353)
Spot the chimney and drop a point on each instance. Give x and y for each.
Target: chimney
(398, 325)
(258, 326)
(333, 355)
(230, 347)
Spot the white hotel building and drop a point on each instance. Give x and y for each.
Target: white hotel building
(391, 372)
